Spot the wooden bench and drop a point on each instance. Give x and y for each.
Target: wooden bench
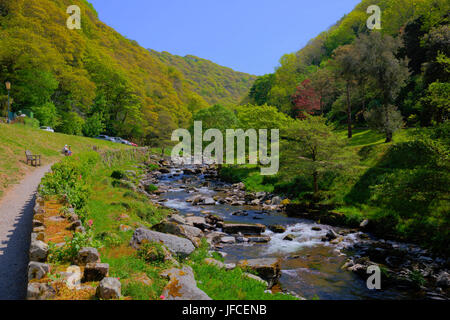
(34, 159)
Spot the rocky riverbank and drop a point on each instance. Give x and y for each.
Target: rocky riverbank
(405, 267)
(251, 230)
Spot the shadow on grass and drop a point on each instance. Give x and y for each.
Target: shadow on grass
(366, 137)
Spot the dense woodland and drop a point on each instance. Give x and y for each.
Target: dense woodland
(94, 80)
(216, 84)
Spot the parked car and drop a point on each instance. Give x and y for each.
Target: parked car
(49, 129)
(103, 137)
(120, 140)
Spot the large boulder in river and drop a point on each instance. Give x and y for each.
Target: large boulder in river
(268, 269)
(276, 228)
(180, 246)
(244, 228)
(184, 230)
(182, 285)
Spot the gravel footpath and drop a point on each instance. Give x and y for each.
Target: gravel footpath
(16, 212)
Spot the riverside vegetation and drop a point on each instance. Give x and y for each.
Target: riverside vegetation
(98, 198)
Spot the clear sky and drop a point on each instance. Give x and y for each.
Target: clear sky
(245, 35)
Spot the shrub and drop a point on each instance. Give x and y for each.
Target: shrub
(117, 174)
(152, 252)
(69, 251)
(151, 188)
(66, 178)
(31, 122)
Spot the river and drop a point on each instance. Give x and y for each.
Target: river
(311, 268)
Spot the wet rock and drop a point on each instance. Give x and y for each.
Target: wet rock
(189, 171)
(164, 170)
(331, 235)
(276, 201)
(214, 237)
(240, 213)
(38, 251)
(260, 194)
(95, 271)
(235, 228)
(276, 228)
(241, 239)
(37, 270)
(186, 231)
(260, 239)
(109, 288)
(40, 291)
(269, 269)
(213, 219)
(443, 280)
(239, 186)
(180, 246)
(228, 240)
(208, 201)
(316, 229)
(87, 255)
(289, 237)
(198, 222)
(182, 285)
(364, 223)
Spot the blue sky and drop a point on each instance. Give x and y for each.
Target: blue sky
(246, 35)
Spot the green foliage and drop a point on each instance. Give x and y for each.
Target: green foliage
(118, 174)
(98, 71)
(71, 123)
(214, 83)
(217, 117)
(220, 284)
(152, 252)
(46, 114)
(384, 119)
(151, 188)
(68, 178)
(317, 148)
(261, 117)
(94, 125)
(259, 92)
(31, 122)
(69, 251)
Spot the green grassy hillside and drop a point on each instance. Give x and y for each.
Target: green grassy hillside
(15, 139)
(216, 84)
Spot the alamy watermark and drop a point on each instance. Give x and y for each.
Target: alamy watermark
(374, 21)
(74, 21)
(235, 149)
(374, 281)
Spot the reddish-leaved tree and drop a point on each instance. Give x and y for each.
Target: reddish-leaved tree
(305, 99)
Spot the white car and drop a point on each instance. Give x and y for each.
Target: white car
(47, 129)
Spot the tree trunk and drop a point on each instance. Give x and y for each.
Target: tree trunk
(349, 112)
(388, 137)
(386, 119)
(316, 185)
